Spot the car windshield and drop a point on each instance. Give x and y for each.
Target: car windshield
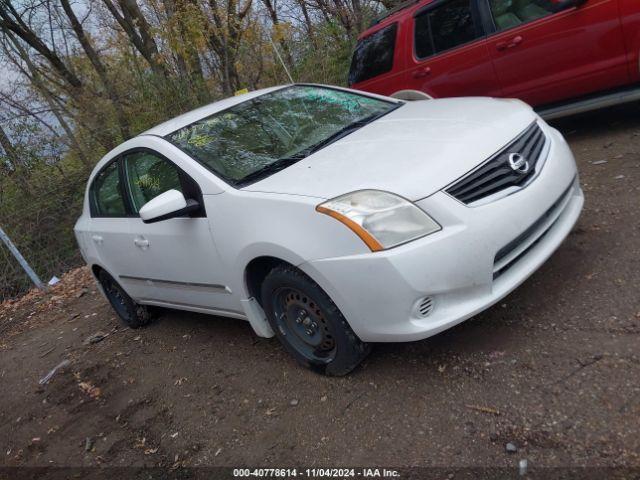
(256, 138)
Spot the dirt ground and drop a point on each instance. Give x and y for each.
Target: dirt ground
(554, 368)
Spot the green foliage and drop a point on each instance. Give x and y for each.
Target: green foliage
(327, 60)
(38, 214)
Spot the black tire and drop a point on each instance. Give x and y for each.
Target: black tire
(132, 314)
(308, 324)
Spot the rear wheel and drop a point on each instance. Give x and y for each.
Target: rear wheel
(131, 313)
(309, 324)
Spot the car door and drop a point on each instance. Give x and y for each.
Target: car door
(543, 54)
(630, 20)
(450, 56)
(110, 225)
(175, 258)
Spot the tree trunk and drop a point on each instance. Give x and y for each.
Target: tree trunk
(130, 18)
(226, 41)
(40, 87)
(307, 22)
(14, 160)
(275, 20)
(99, 68)
(9, 149)
(189, 61)
(10, 20)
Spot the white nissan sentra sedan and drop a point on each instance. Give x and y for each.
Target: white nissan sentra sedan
(329, 217)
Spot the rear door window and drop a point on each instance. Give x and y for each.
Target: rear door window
(444, 27)
(373, 55)
(108, 198)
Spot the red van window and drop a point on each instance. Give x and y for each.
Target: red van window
(508, 14)
(444, 27)
(373, 55)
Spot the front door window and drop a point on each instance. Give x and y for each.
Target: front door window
(148, 176)
(512, 13)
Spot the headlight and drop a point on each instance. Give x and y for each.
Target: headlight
(381, 219)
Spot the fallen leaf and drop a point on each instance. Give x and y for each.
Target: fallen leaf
(90, 389)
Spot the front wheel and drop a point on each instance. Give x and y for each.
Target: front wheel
(309, 324)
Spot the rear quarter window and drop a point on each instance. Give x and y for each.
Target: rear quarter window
(107, 193)
(373, 55)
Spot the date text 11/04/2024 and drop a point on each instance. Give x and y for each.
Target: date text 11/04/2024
(316, 473)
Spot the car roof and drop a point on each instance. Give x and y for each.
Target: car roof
(193, 116)
(392, 16)
(188, 118)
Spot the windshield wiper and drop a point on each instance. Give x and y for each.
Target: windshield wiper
(276, 166)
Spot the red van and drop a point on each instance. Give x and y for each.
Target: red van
(560, 56)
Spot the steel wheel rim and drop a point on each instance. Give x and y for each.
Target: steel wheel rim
(301, 321)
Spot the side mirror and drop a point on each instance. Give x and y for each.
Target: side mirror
(169, 204)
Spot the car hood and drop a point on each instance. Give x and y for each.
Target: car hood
(413, 151)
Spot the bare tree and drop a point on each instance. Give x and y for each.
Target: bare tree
(33, 75)
(99, 68)
(187, 57)
(135, 25)
(11, 20)
(13, 164)
(224, 38)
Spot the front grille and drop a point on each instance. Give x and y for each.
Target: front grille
(505, 169)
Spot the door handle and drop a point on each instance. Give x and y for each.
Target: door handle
(422, 72)
(514, 42)
(143, 243)
(97, 239)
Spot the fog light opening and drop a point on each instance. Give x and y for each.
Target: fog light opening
(424, 307)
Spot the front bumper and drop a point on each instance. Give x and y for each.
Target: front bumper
(463, 267)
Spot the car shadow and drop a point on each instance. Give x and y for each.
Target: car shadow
(603, 122)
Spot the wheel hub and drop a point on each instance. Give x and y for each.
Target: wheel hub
(302, 321)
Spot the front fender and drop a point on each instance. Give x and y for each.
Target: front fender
(247, 225)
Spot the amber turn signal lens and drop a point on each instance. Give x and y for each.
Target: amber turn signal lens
(365, 236)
